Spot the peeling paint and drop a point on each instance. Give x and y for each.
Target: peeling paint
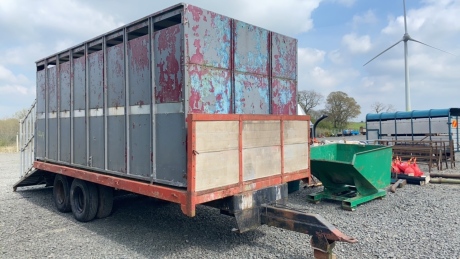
(96, 79)
(210, 90)
(115, 76)
(284, 57)
(284, 97)
(139, 71)
(251, 49)
(251, 94)
(168, 72)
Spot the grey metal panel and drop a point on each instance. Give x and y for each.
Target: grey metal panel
(373, 125)
(79, 141)
(52, 138)
(52, 90)
(439, 125)
(116, 150)
(79, 84)
(52, 113)
(96, 88)
(168, 52)
(171, 149)
(139, 71)
(65, 139)
(115, 76)
(40, 138)
(64, 86)
(64, 114)
(96, 142)
(141, 153)
(40, 129)
(116, 127)
(41, 91)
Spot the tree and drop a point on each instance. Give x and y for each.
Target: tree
(379, 107)
(20, 114)
(309, 99)
(341, 108)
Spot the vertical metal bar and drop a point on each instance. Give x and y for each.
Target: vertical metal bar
(21, 165)
(240, 153)
(58, 108)
(127, 109)
(72, 76)
(87, 114)
(232, 66)
(46, 108)
(191, 169)
(270, 73)
(282, 147)
(104, 85)
(153, 135)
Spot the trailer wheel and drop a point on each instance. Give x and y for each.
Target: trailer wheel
(61, 193)
(84, 200)
(105, 201)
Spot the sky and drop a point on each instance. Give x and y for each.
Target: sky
(335, 39)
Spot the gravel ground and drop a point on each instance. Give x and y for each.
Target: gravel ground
(414, 222)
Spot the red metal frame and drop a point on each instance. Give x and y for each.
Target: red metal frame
(189, 198)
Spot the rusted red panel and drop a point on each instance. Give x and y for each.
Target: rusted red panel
(207, 38)
(139, 73)
(284, 96)
(284, 57)
(168, 61)
(210, 90)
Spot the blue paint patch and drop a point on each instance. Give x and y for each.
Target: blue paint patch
(223, 35)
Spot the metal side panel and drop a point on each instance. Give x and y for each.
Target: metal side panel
(284, 96)
(116, 111)
(79, 112)
(207, 38)
(168, 54)
(64, 114)
(141, 153)
(251, 94)
(96, 141)
(284, 57)
(251, 49)
(52, 131)
(139, 73)
(79, 141)
(171, 154)
(96, 111)
(116, 146)
(40, 138)
(209, 90)
(40, 129)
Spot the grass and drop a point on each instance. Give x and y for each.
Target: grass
(356, 125)
(8, 149)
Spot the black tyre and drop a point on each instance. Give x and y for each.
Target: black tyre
(105, 201)
(84, 199)
(61, 193)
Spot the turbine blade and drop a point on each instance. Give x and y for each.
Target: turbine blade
(431, 46)
(383, 52)
(405, 23)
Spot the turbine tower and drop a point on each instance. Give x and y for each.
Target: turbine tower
(405, 39)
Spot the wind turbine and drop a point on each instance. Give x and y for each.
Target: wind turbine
(405, 39)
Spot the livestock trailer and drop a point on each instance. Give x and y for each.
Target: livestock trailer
(434, 124)
(184, 105)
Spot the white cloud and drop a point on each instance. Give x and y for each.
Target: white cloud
(308, 57)
(367, 18)
(357, 44)
(336, 57)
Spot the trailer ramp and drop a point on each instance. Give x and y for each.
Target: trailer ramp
(29, 175)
